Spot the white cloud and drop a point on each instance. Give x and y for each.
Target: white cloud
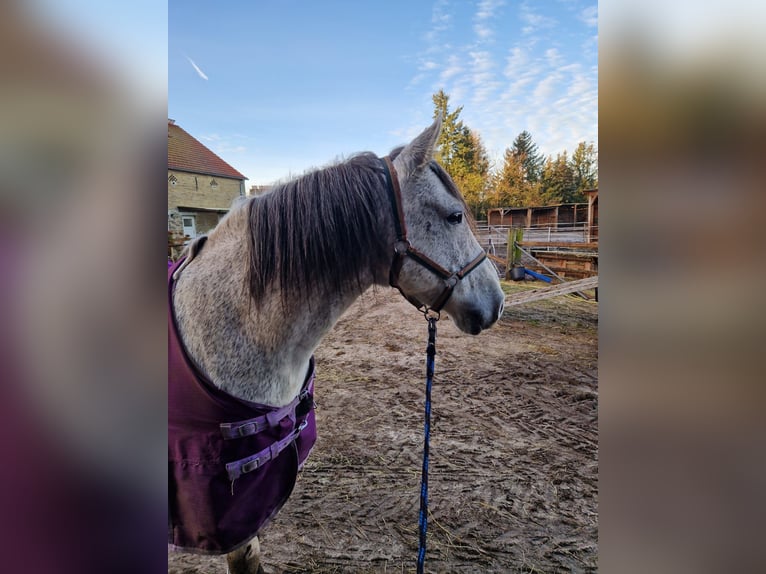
(516, 61)
(534, 21)
(590, 16)
(579, 85)
(225, 149)
(200, 73)
(440, 20)
(546, 86)
(481, 61)
(482, 31)
(553, 56)
(521, 81)
(482, 78)
(484, 17)
(453, 68)
(487, 8)
(541, 81)
(416, 79)
(226, 146)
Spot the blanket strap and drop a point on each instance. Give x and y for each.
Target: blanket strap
(244, 465)
(299, 406)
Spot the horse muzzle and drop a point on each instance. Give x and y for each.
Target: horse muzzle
(473, 318)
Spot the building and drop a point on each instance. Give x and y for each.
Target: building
(259, 189)
(592, 214)
(201, 187)
(563, 214)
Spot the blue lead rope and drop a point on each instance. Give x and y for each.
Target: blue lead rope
(423, 518)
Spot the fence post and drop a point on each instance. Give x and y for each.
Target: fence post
(515, 235)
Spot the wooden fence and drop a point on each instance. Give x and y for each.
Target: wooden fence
(563, 250)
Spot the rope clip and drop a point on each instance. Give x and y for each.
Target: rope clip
(431, 315)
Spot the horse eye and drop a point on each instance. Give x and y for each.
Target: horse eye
(455, 218)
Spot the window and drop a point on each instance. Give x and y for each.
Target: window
(213, 184)
(189, 225)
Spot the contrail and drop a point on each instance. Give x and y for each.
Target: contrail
(196, 67)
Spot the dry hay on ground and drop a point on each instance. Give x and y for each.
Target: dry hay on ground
(514, 460)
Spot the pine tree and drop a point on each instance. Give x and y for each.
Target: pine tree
(526, 151)
(585, 168)
(558, 180)
(452, 133)
(512, 186)
(462, 154)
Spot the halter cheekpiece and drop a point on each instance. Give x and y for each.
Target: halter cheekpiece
(403, 248)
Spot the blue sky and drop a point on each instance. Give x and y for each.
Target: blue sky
(280, 87)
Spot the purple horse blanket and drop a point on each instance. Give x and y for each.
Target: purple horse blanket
(232, 463)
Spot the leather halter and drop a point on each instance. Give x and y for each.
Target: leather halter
(403, 248)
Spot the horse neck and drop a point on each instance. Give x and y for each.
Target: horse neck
(254, 350)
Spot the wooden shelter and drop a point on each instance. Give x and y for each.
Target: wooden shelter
(539, 216)
(592, 214)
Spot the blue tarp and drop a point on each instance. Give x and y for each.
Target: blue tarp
(538, 276)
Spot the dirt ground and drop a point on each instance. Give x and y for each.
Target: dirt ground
(514, 447)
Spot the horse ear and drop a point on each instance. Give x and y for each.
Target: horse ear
(419, 151)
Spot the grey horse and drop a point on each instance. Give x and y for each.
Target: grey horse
(254, 301)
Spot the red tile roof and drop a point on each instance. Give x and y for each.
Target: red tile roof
(185, 153)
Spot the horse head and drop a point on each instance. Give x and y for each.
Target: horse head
(438, 263)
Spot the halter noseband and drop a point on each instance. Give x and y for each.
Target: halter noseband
(403, 248)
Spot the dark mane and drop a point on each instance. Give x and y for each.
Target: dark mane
(321, 228)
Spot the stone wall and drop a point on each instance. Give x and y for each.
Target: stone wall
(201, 191)
(205, 197)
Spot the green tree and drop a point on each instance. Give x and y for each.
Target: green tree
(518, 183)
(512, 186)
(585, 168)
(453, 132)
(558, 180)
(463, 155)
(525, 149)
